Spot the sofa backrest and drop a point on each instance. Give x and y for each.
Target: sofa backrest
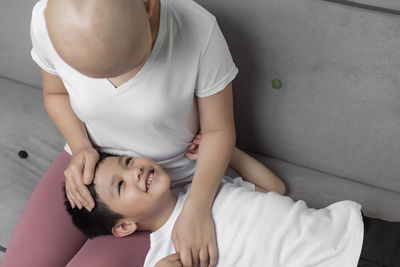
(337, 65)
(338, 108)
(15, 42)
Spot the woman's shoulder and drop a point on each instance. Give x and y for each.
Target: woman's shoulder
(191, 14)
(38, 26)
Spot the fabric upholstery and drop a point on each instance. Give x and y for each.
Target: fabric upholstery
(337, 110)
(15, 42)
(24, 126)
(393, 4)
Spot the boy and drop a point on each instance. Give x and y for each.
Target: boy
(253, 228)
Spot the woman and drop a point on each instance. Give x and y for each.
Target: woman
(130, 74)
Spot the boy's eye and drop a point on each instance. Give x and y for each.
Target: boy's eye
(119, 186)
(127, 161)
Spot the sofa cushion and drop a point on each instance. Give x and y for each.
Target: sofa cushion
(15, 42)
(319, 189)
(25, 126)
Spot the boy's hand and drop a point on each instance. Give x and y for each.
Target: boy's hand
(192, 150)
(193, 237)
(173, 260)
(78, 174)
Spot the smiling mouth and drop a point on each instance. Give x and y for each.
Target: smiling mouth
(150, 179)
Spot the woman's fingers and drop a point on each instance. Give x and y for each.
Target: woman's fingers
(85, 196)
(70, 198)
(186, 257)
(78, 191)
(81, 167)
(203, 257)
(79, 200)
(213, 253)
(90, 161)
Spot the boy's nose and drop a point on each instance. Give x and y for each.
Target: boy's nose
(137, 173)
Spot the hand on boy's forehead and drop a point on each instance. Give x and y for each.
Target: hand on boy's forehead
(102, 38)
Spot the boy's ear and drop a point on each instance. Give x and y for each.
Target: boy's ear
(124, 228)
(149, 6)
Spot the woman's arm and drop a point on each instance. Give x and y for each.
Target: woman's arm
(255, 172)
(58, 107)
(217, 143)
(84, 157)
(247, 167)
(194, 231)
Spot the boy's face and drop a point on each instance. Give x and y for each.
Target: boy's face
(132, 187)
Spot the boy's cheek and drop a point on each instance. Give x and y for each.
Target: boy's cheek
(137, 206)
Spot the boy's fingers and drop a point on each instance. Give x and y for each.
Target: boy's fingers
(174, 257)
(191, 156)
(196, 141)
(172, 260)
(191, 147)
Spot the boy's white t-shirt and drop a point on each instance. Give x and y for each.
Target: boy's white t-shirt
(154, 114)
(267, 229)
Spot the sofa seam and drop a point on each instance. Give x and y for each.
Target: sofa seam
(20, 82)
(366, 6)
(323, 172)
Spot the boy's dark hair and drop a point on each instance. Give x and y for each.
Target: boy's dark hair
(101, 219)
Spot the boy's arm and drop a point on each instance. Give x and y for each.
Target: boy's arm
(255, 172)
(246, 166)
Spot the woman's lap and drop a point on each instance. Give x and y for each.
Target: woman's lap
(108, 251)
(45, 236)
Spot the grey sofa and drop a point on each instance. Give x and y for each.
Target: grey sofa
(317, 99)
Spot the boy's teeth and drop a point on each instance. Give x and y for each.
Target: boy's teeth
(150, 180)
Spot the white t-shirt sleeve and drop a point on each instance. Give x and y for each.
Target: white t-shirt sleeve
(38, 38)
(216, 67)
(239, 181)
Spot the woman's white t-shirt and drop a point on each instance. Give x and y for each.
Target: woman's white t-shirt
(155, 113)
(267, 229)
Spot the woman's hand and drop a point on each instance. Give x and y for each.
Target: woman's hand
(193, 236)
(193, 149)
(78, 174)
(172, 260)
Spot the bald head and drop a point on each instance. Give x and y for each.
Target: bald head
(101, 38)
